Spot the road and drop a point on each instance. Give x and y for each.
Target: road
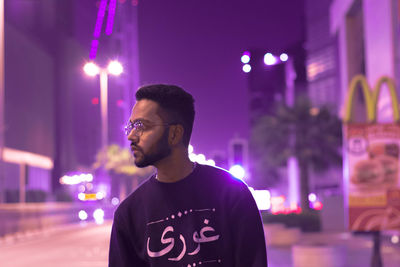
(74, 245)
(87, 246)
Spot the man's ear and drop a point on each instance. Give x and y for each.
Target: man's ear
(175, 134)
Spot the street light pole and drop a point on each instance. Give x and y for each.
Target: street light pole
(104, 107)
(91, 69)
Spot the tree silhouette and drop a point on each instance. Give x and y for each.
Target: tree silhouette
(312, 135)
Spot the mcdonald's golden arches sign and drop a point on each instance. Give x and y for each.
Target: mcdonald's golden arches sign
(373, 160)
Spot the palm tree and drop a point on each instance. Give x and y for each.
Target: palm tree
(119, 163)
(312, 135)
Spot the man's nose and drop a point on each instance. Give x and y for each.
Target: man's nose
(133, 137)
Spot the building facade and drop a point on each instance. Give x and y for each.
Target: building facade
(52, 123)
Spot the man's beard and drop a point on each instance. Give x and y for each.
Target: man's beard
(162, 150)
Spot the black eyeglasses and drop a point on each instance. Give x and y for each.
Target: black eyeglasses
(138, 127)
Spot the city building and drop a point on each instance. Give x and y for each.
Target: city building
(52, 119)
(368, 38)
(321, 56)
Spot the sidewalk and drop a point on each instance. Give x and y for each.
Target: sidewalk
(357, 250)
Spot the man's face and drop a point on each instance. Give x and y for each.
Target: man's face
(151, 145)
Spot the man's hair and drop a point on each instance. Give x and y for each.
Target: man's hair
(177, 105)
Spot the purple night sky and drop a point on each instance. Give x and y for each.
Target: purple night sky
(198, 45)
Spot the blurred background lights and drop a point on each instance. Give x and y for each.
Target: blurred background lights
(200, 158)
(115, 68)
(192, 157)
(246, 68)
(269, 59)
(245, 59)
(395, 239)
(76, 179)
(100, 195)
(237, 171)
(82, 215)
(89, 186)
(210, 162)
(115, 201)
(98, 216)
(262, 198)
(91, 69)
(190, 149)
(283, 57)
(317, 205)
(312, 197)
(81, 196)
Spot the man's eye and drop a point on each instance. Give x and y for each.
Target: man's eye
(138, 125)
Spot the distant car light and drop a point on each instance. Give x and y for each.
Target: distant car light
(82, 215)
(98, 216)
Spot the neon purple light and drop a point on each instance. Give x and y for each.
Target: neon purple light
(100, 18)
(110, 17)
(93, 48)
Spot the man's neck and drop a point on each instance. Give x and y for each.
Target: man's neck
(174, 168)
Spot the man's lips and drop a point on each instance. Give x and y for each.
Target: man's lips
(135, 149)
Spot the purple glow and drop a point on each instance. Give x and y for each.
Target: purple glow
(269, 59)
(93, 49)
(100, 18)
(111, 15)
(237, 171)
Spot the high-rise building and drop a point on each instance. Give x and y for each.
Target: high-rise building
(322, 56)
(268, 78)
(52, 122)
(273, 77)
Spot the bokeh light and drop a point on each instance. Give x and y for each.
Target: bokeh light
(246, 68)
(98, 216)
(115, 68)
(237, 171)
(312, 197)
(115, 201)
(82, 215)
(269, 59)
(91, 69)
(245, 59)
(283, 57)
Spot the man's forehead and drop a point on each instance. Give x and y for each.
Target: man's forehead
(146, 110)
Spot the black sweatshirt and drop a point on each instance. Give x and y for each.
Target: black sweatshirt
(207, 219)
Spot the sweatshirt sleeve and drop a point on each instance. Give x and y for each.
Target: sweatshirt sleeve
(122, 252)
(248, 232)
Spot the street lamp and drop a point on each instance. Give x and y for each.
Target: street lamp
(113, 68)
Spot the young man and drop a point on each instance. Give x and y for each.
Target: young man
(186, 214)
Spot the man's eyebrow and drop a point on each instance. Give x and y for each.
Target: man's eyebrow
(139, 119)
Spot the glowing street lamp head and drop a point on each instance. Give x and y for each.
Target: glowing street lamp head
(91, 69)
(115, 68)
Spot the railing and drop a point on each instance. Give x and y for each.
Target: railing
(37, 216)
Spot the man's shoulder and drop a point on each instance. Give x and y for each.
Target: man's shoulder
(220, 175)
